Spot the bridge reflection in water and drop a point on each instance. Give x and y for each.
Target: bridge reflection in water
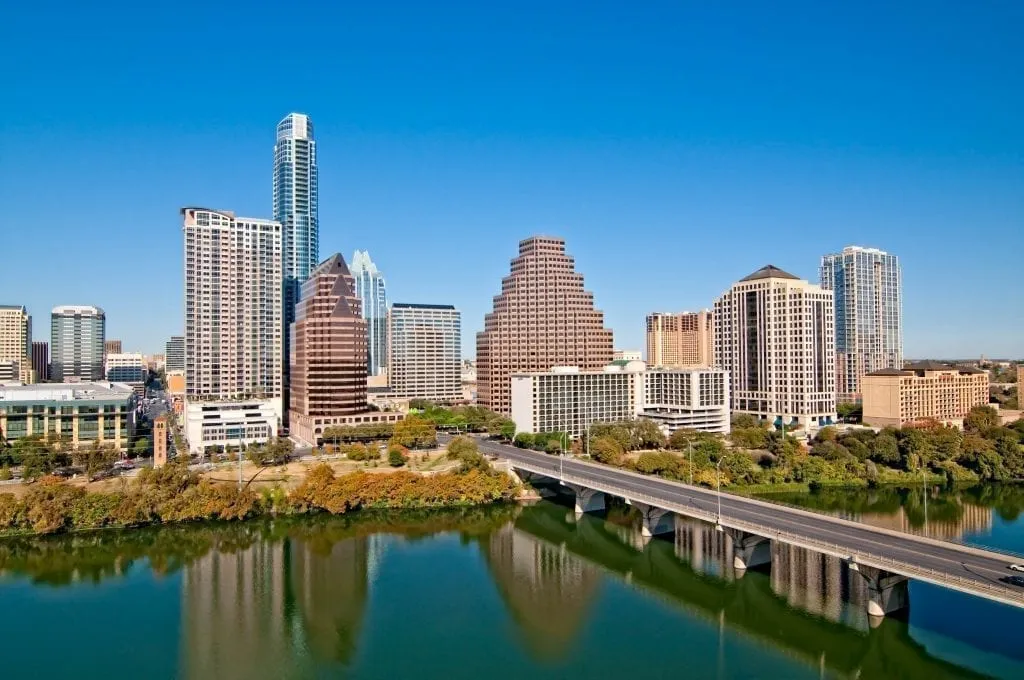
(813, 612)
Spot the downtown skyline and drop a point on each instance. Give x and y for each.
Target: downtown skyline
(440, 198)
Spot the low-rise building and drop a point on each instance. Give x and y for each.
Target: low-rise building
(566, 399)
(229, 423)
(81, 412)
(923, 391)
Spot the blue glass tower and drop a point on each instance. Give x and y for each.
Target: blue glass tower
(295, 207)
(371, 289)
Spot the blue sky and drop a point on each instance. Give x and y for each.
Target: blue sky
(677, 146)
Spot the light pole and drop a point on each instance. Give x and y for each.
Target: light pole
(718, 484)
(689, 445)
(924, 485)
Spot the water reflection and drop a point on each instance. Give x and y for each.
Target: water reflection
(291, 598)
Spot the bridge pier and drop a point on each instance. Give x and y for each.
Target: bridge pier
(587, 500)
(655, 520)
(749, 550)
(887, 592)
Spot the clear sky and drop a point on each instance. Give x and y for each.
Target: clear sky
(677, 146)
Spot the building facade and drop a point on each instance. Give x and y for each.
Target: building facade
(41, 360)
(868, 287)
(542, 318)
(371, 290)
(424, 346)
(328, 385)
(174, 354)
(129, 368)
(690, 398)
(16, 343)
(233, 289)
(295, 207)
(627, 355)
(112, 347)
(923, 391)
(775, 335)
(82, 412)
(78, 336)
(684, 340)
(566, 399)
(229, 423)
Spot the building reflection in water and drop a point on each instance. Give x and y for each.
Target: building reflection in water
(547, 589)
(264, 610)
(819, 584)
(973, 519)
(705, 549)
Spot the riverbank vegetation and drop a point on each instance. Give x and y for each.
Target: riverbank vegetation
(755, 455)
(174, 493)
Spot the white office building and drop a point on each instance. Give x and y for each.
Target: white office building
(233, 308)
(229, 423)
(127, 367)
(868, 288)
(424, 345)
(567, 399)
(775, 336)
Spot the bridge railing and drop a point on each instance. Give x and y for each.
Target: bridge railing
(902, 567)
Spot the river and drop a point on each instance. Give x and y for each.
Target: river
(505, 592)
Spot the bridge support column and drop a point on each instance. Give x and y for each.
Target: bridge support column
(887, 592)
(655, 520)
(749, 550)
(587, 500)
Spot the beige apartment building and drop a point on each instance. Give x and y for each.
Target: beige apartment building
(542, 318)
(923, 391)
(15, 343)
(684, 340)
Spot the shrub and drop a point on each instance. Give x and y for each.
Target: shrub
(397, 456)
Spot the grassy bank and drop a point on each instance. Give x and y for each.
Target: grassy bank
(174, 494)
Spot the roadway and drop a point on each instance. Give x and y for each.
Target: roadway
(964, 568)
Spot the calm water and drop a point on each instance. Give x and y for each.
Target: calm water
(501, 593)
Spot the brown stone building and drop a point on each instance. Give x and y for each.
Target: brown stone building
(927, 390)
(328, 355)
(542, 318)
(160, 441)
(685, 340)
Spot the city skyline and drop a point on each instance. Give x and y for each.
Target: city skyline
(788, 157)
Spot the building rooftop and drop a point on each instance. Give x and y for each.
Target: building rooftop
(922, 366)
(66, 391)
(77, 309)
(769, 272)
(890, 371)
(407, 305)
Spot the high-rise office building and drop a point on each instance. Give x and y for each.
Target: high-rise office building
(127, 368)
(775, 335)
(174, 354)
(684, 340)
(372, 291)
(77, 337)
(233, 329)
(112, 347)
(424, 345)
(868, 288)
(295, 208)
(328, 362)
(542, 318)
(16, 343)
(41, 360)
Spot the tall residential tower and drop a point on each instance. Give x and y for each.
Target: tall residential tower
(683, 340)
(295, 208)
(16, 343)
(542, 318)
(78, 334)
(775, 335)
(868, 287)
(372, 291)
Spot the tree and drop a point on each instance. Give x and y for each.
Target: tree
(884, 449)
(981, 419)
(397, 455)
(741, 421)
(461, 447)
(850, 412)
(607, 450)
(523, 440)
(681, 439)
(141, 447)
(750, 437)
(415, 432)
(647, 434)
(5, 473)
(95, 458)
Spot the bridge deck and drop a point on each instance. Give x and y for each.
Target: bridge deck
(964, 568)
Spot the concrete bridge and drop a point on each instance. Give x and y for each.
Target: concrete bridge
(886, 559)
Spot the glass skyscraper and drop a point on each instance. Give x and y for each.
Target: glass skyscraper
(295, 207)
(868, 287)
(371, 289)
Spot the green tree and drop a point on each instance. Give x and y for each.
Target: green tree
(742, 421)
(681, 439)
(415, 432)
(142, 447)
(850, 412)
(5, 473)
(397, 455)
(750, 438)
(607, 449)
(95, 458)
(885, 449)
(980, 419)
(647, 434)
(523, 440)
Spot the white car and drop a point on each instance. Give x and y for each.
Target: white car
(1016, 567)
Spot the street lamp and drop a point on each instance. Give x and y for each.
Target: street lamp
(924, 484)
(718, 484)
(689, 445)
